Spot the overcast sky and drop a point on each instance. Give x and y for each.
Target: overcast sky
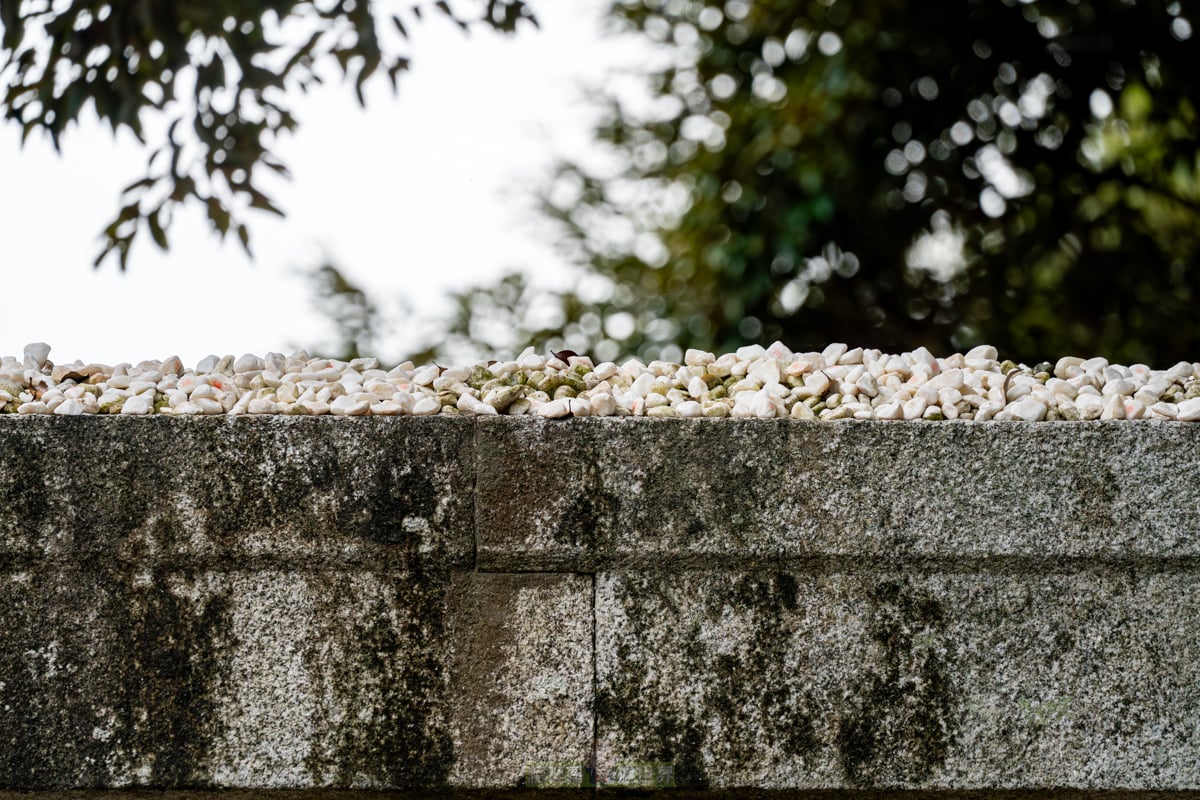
(415, 195)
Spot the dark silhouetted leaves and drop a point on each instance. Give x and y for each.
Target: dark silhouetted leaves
(888, 175)
(128, 57)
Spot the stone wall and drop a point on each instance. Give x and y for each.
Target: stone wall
(474, 604)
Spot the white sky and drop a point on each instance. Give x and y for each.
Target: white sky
(415, 195)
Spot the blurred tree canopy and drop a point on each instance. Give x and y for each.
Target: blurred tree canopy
(219, 70)
(887, 174)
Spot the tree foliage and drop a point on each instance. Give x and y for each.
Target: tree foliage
(888, 174)
(356, 319)
(218, 70)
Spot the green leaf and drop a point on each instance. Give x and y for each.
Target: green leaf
(218, 216)
(261, 201)
(244, 235)
(156, 229)
(369, 66)
(140, 183)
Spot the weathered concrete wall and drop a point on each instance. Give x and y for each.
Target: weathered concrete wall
(485, 603)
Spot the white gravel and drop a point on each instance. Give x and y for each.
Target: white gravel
(837, 383)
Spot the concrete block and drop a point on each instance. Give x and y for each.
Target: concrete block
(225, 490)
(596, 493)
(522, 656)
(288, 679)
(789, 680)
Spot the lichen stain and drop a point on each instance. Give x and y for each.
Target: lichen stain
(1095, 496)
(45, 732)
(753, 692)
(128, 658)
(630, 701)
(176, 654)
(23, 502)
(386, 677)
(379, 510)
(902, 714)
(588, 519)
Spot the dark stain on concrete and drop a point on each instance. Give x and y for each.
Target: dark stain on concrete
(381, 507)
(626, 699)
(754, 692)
(23, 503)
(45, 730)
(101, 673)
(589, 518)
(386, 673)
(174, 661)
(902, 710)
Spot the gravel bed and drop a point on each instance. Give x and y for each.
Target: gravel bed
(774, 382)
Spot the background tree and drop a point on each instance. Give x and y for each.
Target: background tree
(967, 171)
(217, 71)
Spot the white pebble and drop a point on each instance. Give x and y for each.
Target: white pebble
(348, 406)
(1189, 410)
(530, 360)
(765, 371)
(473, 405)
(207, 405)
(1164, 411)
(1090, 406)
(248, 363)
(555, 409)
(889, 411)
(854, 356)
(915, 408)
(262, 405)
(799, 411)
(1029, 410)
(603, 404)
(35, 355)
(605, 370)
(834, 351)
(983, 352)
(319, 407)
(387, 408)
(138, 405)
(1120, 386)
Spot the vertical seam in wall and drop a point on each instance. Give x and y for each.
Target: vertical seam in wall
(474, 495)
(595, 689)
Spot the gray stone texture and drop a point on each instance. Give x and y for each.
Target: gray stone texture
(523, 643)
(226, 490)
(461, 604)
(272, 678)
(957, 681)
(598, 493)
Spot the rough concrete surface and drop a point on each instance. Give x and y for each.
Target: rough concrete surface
(204, 490)
(523, 643)
(290, 679)
(967, 681)
(604, 492)
(458, 605)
